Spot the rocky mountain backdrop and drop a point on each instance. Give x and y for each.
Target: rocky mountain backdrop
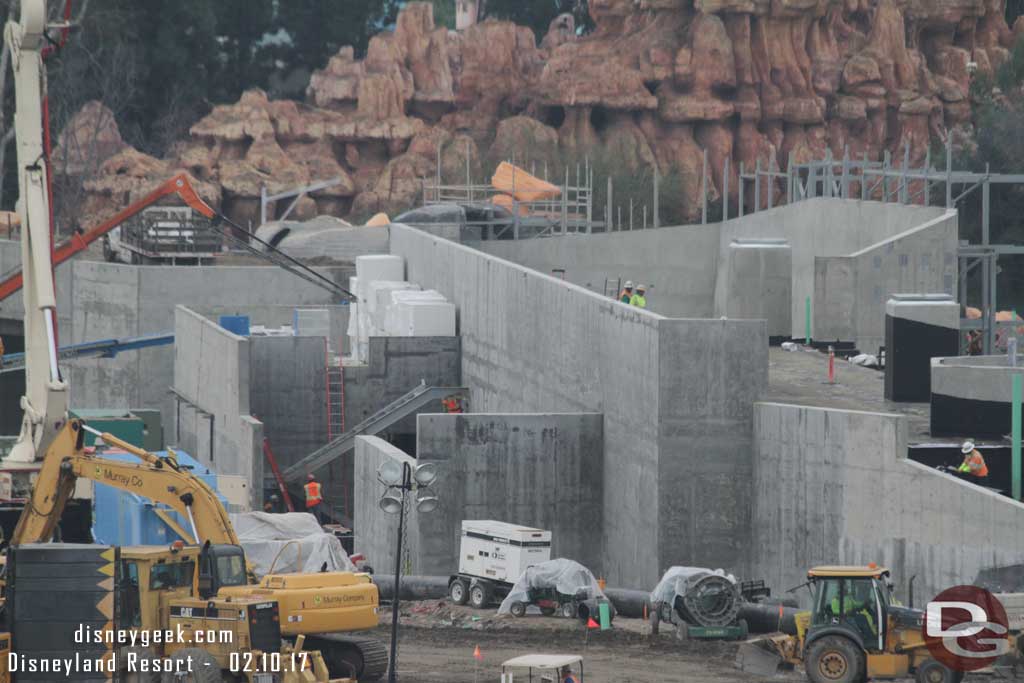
(656, 83)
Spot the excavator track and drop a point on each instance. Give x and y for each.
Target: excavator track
(347, 654)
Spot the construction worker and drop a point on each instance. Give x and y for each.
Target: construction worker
(451, 404)
(314, 498)
(273, 504)
(566, 675)
(973, 467)
(639, 300)
(855, 605)
(626, 295)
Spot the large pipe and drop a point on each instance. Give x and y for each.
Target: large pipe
(413, 587)
(763, 618)
(628, 603)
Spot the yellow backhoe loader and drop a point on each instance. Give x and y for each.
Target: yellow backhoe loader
(854, 632)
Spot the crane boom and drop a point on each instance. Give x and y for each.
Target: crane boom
(178, 185)
(161, 480)
(46, 396)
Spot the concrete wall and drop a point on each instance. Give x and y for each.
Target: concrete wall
(677, 263)
(375, 531)
(536, 470)
(97, 300)
(396, 365)
(689, 264)
(288, 393)
(835, 487)
(850, 291)
(211, 384)
(532, 342)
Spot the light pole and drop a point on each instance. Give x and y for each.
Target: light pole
(400, 478)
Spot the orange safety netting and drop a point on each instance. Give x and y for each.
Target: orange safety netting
(514, 181)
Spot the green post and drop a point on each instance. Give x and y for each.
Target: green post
(1015, 447)
(807, 321)
(605, 614)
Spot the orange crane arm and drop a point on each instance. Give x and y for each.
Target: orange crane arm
(178, 185)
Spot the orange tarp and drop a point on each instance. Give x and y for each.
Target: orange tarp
(505, 201)
(378, 221)
(517, 183)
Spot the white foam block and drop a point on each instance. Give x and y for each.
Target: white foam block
(380, 267)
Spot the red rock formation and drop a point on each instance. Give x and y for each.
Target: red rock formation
(657, 82)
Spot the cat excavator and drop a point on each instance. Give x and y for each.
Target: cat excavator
(322, 607)
(312, 610)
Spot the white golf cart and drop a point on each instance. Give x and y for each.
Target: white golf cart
(541, 669)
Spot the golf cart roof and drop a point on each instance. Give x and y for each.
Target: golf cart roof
(852, 572)
(543, 661)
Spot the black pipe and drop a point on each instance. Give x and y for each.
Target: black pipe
(763, 618)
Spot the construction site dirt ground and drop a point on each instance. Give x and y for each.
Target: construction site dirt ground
(437, 641)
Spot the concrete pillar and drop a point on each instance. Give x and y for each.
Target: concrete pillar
(918, 327)
(759, 280)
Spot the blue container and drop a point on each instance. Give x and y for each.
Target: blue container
(123, 518)
(236, 324)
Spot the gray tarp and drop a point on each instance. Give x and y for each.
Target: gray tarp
(263, 535)
(565, 576)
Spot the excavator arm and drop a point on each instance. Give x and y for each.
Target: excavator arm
(178, 185)
(161, 480)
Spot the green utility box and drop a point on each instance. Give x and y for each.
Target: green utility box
(142, 430)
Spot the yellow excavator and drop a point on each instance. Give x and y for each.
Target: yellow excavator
(38, 574)
(313, 610)
(854, 632)
(323, 607)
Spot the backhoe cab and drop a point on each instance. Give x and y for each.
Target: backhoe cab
(855, 631)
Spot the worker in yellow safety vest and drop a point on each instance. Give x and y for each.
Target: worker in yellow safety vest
(314, 498)
(973, 467)
(639, 300)
(856, 608)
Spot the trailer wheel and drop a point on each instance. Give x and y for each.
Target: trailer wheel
(568, 610)
(458, 592)
(479, 595)
(518, 609)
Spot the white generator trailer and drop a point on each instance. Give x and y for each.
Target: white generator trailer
(492, 557)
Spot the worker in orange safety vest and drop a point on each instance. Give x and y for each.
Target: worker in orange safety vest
(973, 468)
(314, 498)
(452, 404)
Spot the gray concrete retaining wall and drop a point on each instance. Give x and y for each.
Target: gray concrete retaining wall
(532, 342)
(211, 385)
(97, 300)
(288, 393)
(850, 292)
(538, 470)
(677, 264)
(978, 378)
(375, 531)
(835, 487)
(689, 265)
(396, 365)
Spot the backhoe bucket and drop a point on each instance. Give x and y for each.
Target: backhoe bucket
(757, 657)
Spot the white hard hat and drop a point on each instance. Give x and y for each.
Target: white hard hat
(641, 287)
(629, 284)
(967, 447)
